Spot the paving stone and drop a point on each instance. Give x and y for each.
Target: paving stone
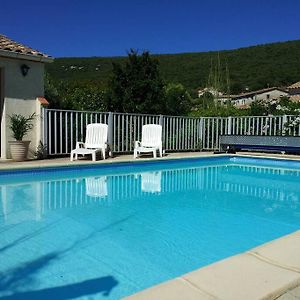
(243, 277)
(296, 292)
(284, 252)
(287, 296)
(176, 289)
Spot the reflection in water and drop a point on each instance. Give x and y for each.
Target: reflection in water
(151, 182)
(96, 186)
(21, 202)
(276, 189)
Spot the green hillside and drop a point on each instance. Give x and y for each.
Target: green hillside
(255, 67)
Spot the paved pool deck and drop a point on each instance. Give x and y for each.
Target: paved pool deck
(270, 271)
(65, 161)
(8, 164)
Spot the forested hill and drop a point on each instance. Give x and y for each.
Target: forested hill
(255, 67)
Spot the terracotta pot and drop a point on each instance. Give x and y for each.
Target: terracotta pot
(19, 150)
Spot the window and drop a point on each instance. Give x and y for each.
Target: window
(268, 96)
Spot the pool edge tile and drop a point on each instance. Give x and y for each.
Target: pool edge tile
(282, 252)
(243, 277)
(107, 163)
(176, 289)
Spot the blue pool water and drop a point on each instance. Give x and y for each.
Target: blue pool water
(110, 231)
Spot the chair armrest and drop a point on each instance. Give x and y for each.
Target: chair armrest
(79, 145)
(137, 144)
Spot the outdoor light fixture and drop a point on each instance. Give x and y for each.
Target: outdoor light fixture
(24, 69)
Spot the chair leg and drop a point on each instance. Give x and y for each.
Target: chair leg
(135, 154)
(94, 156)
(71, 156)
(154, 153)
(160, 151)
(103, 153)
(76, 156)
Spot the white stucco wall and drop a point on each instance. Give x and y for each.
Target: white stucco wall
(20, 96)
(275, 94)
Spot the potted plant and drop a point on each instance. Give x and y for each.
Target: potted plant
(20, 126)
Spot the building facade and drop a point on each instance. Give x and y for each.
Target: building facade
(268, 94)
(21, 89)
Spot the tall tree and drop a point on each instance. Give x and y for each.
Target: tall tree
(178, 100)
(137, 85)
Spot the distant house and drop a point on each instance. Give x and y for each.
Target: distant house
(21, 88)
(219, 96)
(245, 99)
(294, 91)
(212, 91)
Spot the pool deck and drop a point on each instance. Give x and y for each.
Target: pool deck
(65, 161)
(270, 271)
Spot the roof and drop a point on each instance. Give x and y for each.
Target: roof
(295, 85)
(258, 92)
(295, 98)
(43, 101)
(11, 48)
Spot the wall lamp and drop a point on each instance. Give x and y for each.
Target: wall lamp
(24, 69)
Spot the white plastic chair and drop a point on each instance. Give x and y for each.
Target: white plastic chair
(95, 141)
(151, 140)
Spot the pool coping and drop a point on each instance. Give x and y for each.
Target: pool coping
(264, 272)
(36, 164)
(41, 164)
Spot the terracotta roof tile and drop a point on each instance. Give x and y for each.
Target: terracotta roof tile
(295, 98)
(7, 44)
(43, 101)
(295, 85)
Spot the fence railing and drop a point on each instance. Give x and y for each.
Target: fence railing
(62, 128)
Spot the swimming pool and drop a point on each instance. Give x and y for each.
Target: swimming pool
(104, 232)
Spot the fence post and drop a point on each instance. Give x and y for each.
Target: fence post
(164, 138)
(110, 122)
(44, 127)
(229, 125)
(284, 119)
(201, 134)
(161, 120)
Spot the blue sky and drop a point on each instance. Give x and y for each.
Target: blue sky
(110, 28)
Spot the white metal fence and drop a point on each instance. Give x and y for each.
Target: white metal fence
(62, 128)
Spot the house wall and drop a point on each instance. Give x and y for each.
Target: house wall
(265, 96)
(20, 97)
(294, 91)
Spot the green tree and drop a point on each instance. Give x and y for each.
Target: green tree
(87, 97)
(137, 85)
(51, 92)
(178, 100)
(206, 101)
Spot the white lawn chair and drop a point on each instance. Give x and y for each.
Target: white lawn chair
(151, 140)
(95, 141)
